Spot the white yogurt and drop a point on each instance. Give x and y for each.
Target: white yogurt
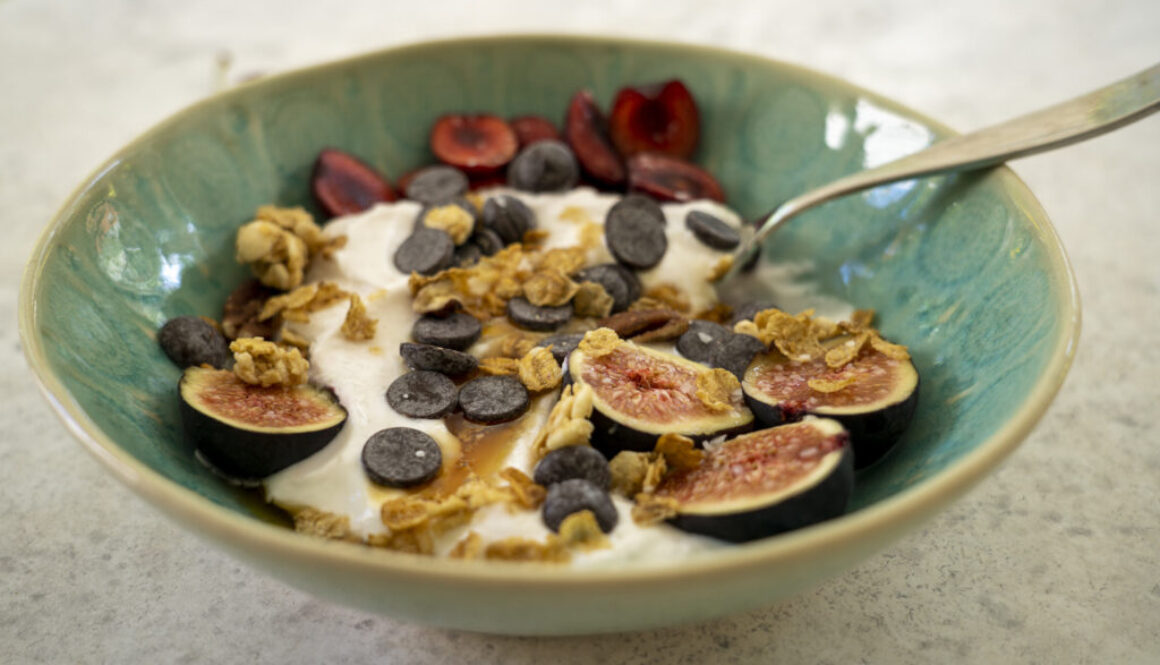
(360, 372)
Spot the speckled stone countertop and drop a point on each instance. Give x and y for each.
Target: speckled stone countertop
(1053, 559)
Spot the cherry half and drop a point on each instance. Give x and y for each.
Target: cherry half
(657, 118)
(667, 178)
(344, 185)
(475, 144)
(585, 131)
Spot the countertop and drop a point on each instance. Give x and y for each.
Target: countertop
(1055, 558)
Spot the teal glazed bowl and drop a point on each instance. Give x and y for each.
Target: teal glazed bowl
(966, 271)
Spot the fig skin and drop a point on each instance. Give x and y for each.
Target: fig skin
(827, 498)
(249, 453)
(874, 429)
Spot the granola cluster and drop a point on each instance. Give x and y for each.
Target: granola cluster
(262, 363)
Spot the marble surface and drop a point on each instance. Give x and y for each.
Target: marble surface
(1053, 559)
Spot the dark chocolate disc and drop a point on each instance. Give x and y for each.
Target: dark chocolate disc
(467, 255)
(573, 462)
(544, 166)
(191, 340)
(426, 251)
(698, 341)
(734, 352)
(487, 240)
(422, 394)
(572, 496)
(436, 185)
(526, 315)
(401, 457)
(712, 231)
(493, 399)
(645, 204)
(619, 282)
(562, 344)
(457, 331)
(635, 236)
(509, 217)
(437, 359)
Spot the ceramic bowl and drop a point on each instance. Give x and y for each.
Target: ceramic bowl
(967, 271)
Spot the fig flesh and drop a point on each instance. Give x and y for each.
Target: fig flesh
(765, 482)
(875, 407)
(641, 393)
(248, 431)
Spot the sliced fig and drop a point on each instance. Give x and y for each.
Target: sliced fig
(248, 431)
(475, 144)
(343, 185)
(875, 407)
(670, 179)
(585, 130)
(765, 482)
(641, 393)
(532, 128)
(655, 118)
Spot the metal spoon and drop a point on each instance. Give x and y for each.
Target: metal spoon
(1069, 122)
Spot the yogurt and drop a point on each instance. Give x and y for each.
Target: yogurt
(334, 481)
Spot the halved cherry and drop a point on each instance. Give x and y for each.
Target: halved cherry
(488, 180)
(476, 144)
(532, 128)
(670, 179)
(658, 118)
(344, 185)
(585, 130)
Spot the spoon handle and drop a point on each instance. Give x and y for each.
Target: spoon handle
(1075, 120)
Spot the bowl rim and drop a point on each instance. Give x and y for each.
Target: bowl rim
(901, 511)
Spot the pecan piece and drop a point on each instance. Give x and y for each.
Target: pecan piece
(647, 325)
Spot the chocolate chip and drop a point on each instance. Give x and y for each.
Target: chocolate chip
(642, 203)
(749, 310)
(457, 331)
(509, 217)
(437, 185)
(426, 251)
(422, 394)
(574, 495)
(712, 231)
(562, 345)
(493, 399)
(401, 457)
(437, 359)
(573, 462)
(191, 340)
(635, 236)
(699, 340)
(619, 282)
(526, 315)
(544, 166)
(467, 255)
(735, 352)
(487, 240)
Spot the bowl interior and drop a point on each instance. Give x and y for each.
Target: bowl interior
(964, 270)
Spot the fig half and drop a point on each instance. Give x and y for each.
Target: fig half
(765, 482)
(248, 431)
(640, 393)
(875, 407)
